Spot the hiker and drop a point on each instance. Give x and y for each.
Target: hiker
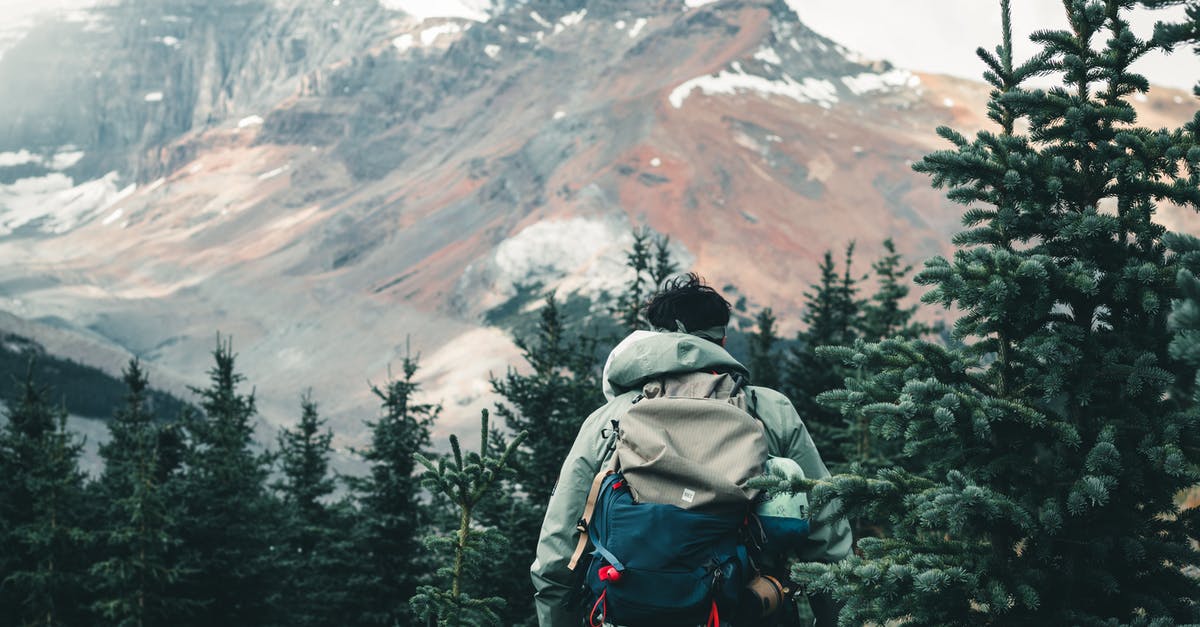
(689, 320)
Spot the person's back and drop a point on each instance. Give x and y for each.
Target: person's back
(690, 319)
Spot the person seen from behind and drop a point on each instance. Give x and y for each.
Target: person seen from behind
(633, 532)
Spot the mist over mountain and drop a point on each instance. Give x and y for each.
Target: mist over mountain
(331, 183)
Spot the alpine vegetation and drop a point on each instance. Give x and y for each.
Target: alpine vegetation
(1042, 459)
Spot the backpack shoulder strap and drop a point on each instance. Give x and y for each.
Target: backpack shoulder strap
(589, 508)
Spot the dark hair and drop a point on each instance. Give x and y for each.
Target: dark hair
(687, 299)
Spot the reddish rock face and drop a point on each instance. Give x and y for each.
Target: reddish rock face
(400, 179)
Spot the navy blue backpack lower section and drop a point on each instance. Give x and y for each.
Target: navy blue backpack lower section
(662, 565)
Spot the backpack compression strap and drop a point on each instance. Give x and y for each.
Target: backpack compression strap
(586, 518)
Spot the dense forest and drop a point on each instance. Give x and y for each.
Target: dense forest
(1029, 465)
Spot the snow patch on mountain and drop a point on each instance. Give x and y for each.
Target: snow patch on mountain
(62, 159)
(250, 120)
(537, 17)
(572, 19)
(550, 250)
(868, 82)
(403, 42)
(431, 34)
(579, 255)
(736, 80)
(637, 27)
(21, 157)
(270, 174)
(477, 10)
(768, 55)
(55, 204)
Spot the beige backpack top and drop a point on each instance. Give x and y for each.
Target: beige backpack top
(689, 441)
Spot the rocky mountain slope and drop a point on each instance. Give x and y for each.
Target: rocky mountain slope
(333, 182)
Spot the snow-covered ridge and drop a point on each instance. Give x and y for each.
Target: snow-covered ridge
(736, 80)
(808, 90)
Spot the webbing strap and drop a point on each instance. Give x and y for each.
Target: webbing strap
(606, 554)
(586, 519)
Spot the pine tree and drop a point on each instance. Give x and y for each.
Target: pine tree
(465, 481)
(664, 264)
(629, 303)
(229, 522)
(764, 359)
(832, 317)
(138, 535)
(551, 401)
(304, 461)
(884, 315)
(42, 575)
(318, 556)
(650, 262)
(1185, 311)
(389, 496)
(1043, 458)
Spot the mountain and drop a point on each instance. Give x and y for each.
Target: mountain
(331, 183)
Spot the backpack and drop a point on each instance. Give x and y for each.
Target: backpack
(669, 517)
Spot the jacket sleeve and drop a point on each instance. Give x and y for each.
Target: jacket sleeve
(552, 580)
(829, 538)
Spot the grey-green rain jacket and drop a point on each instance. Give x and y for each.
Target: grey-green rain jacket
(636, 360)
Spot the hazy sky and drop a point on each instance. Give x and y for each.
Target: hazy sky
(927, 35)
(942, 35)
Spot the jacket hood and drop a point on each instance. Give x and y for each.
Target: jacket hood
(645, 355)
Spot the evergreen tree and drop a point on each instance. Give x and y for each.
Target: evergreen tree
(551, 401)
(229, 521)
(649, 259)
(1043, 458)
(884, 315)
(664, 264)
(42, 574)
(304, 462)
(1185, 311)
(319, 556)
(764, 359)
(465, 481)
(389, 496)
(629, 303)
(832, 317)
(138, 556)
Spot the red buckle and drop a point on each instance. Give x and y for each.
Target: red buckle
(609, 573)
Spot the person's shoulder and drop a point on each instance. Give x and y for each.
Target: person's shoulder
(768, 395)
(614, 405)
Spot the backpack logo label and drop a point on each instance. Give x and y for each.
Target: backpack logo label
(689, 495)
